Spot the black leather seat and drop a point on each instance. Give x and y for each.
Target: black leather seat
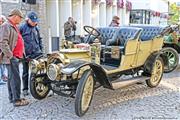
(149, 32)
(118, 38)
(106, 33)
(122, 35)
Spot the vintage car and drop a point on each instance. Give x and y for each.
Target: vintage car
(171, 45)
(110, 57)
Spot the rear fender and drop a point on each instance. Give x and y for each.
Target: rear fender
(175, 46)
(100, 74)
(151, 60)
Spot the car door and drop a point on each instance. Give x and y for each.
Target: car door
(129, 59)
(144, 51)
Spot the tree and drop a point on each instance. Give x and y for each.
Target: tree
(175, 11)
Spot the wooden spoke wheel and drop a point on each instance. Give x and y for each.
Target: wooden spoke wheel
(156, 74)
(84, 93)
(173, 59)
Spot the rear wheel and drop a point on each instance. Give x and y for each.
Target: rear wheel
(173, 59)
(156, 74)
(84, 93)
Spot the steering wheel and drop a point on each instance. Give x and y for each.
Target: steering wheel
(92, 31)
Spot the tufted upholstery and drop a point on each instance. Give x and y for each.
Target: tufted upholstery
(106, 33)
(149, 32)
(123, 34)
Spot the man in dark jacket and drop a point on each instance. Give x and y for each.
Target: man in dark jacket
(33, 44)
(69, 29)
(12, 46)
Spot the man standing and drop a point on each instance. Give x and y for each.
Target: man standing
(33, 44)
(12, 46)
(69, 28)
(3, 71)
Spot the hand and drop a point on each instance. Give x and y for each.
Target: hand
(9, 56)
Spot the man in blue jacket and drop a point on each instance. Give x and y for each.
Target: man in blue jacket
(33, 44)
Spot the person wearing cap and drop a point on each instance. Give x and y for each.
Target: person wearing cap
(3, 70)
(115, 22)
(33, 44)
(12, 46)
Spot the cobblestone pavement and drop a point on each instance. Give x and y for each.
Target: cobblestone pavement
(136, 102)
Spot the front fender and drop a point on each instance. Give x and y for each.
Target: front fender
(98, 71)
(74, 66)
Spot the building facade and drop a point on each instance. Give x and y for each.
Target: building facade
(54, 13)
(150, 12)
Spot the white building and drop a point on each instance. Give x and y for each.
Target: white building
(158, 10)
(96, 13)
(86, 12)
(54, 13)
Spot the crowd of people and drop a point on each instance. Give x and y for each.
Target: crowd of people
(18, 43)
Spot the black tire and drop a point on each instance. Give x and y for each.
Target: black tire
(87, 76)
(35, 82)
(173, 59)
(156, 74)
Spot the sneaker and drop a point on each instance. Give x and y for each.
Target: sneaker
(10, 101)
(2, 82)
(25, 92)
(5, 78)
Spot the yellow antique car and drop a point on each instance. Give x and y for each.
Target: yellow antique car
(110, 57)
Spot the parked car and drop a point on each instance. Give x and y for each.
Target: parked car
(103, 61)
(172, 47)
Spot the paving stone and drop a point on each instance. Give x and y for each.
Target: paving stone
(136, 102)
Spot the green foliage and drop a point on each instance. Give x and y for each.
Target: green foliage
(175, 11)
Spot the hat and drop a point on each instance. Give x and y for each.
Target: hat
(33, 16)
(116, 18)
(16, 12)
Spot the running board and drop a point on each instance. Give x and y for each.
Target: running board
(128, 82)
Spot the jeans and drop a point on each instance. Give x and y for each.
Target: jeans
(3, 71)
(14, 81)
(25, 75)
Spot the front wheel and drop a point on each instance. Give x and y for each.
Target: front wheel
(157, 73)
(39, 89)
(84, 93)
(173, 59)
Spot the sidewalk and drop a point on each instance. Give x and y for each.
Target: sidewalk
(136, 102)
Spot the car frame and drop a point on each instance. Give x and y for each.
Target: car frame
(77, 72)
